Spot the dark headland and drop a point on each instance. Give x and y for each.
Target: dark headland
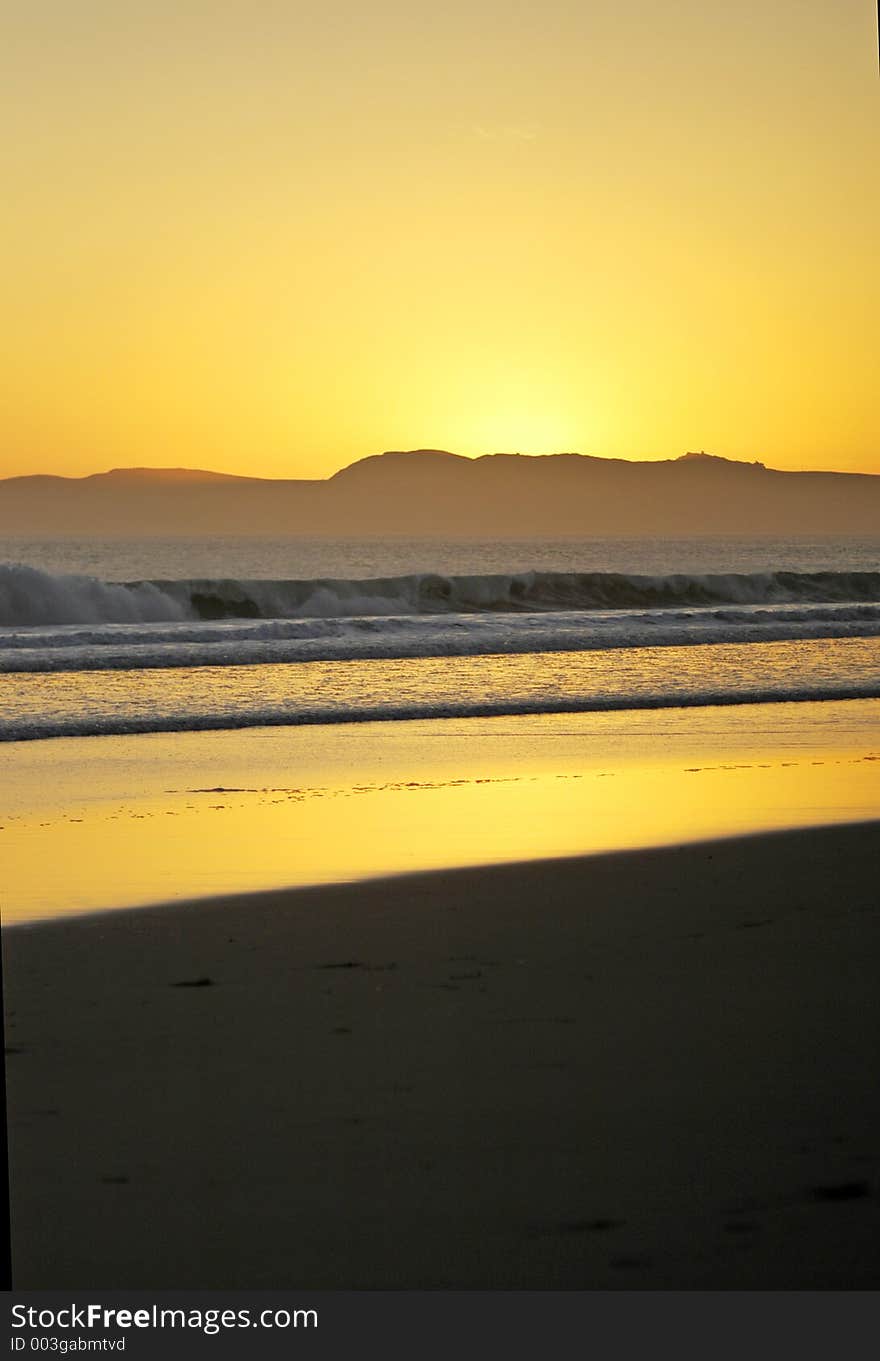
(430, 492)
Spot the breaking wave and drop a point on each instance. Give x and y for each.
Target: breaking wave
(30, 597)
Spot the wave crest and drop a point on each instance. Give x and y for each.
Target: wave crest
(29, 596)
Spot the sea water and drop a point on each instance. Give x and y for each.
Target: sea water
(126, 636)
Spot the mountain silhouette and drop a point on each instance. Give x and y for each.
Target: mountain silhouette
(435, 493)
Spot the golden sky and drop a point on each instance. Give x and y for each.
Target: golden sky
(274, 236)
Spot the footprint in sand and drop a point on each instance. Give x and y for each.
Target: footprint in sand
(844, 1190)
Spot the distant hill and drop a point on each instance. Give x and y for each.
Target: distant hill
(431, 492)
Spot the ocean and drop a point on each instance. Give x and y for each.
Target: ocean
(147, 635)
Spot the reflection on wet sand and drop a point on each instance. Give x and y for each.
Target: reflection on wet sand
(195, 815)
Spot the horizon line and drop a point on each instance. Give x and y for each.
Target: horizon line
(196, 472)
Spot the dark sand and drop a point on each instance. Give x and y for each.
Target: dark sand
(648, 1070)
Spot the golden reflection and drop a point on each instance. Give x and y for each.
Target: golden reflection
(190, 838)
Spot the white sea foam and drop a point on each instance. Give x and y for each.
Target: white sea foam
(107, 724)
(29, 596)
(342, 650)
(52, 622)
(88, 702)
(125, 647)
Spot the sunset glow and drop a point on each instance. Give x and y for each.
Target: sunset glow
(274, 238)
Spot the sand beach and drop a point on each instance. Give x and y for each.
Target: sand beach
(440, 649)
(651, 1070)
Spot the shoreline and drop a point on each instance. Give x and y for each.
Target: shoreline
(649, 1069)
(94, 826)
(110, 727)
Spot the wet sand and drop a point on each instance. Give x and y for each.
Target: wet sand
(98, 824)
(647, 1070)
